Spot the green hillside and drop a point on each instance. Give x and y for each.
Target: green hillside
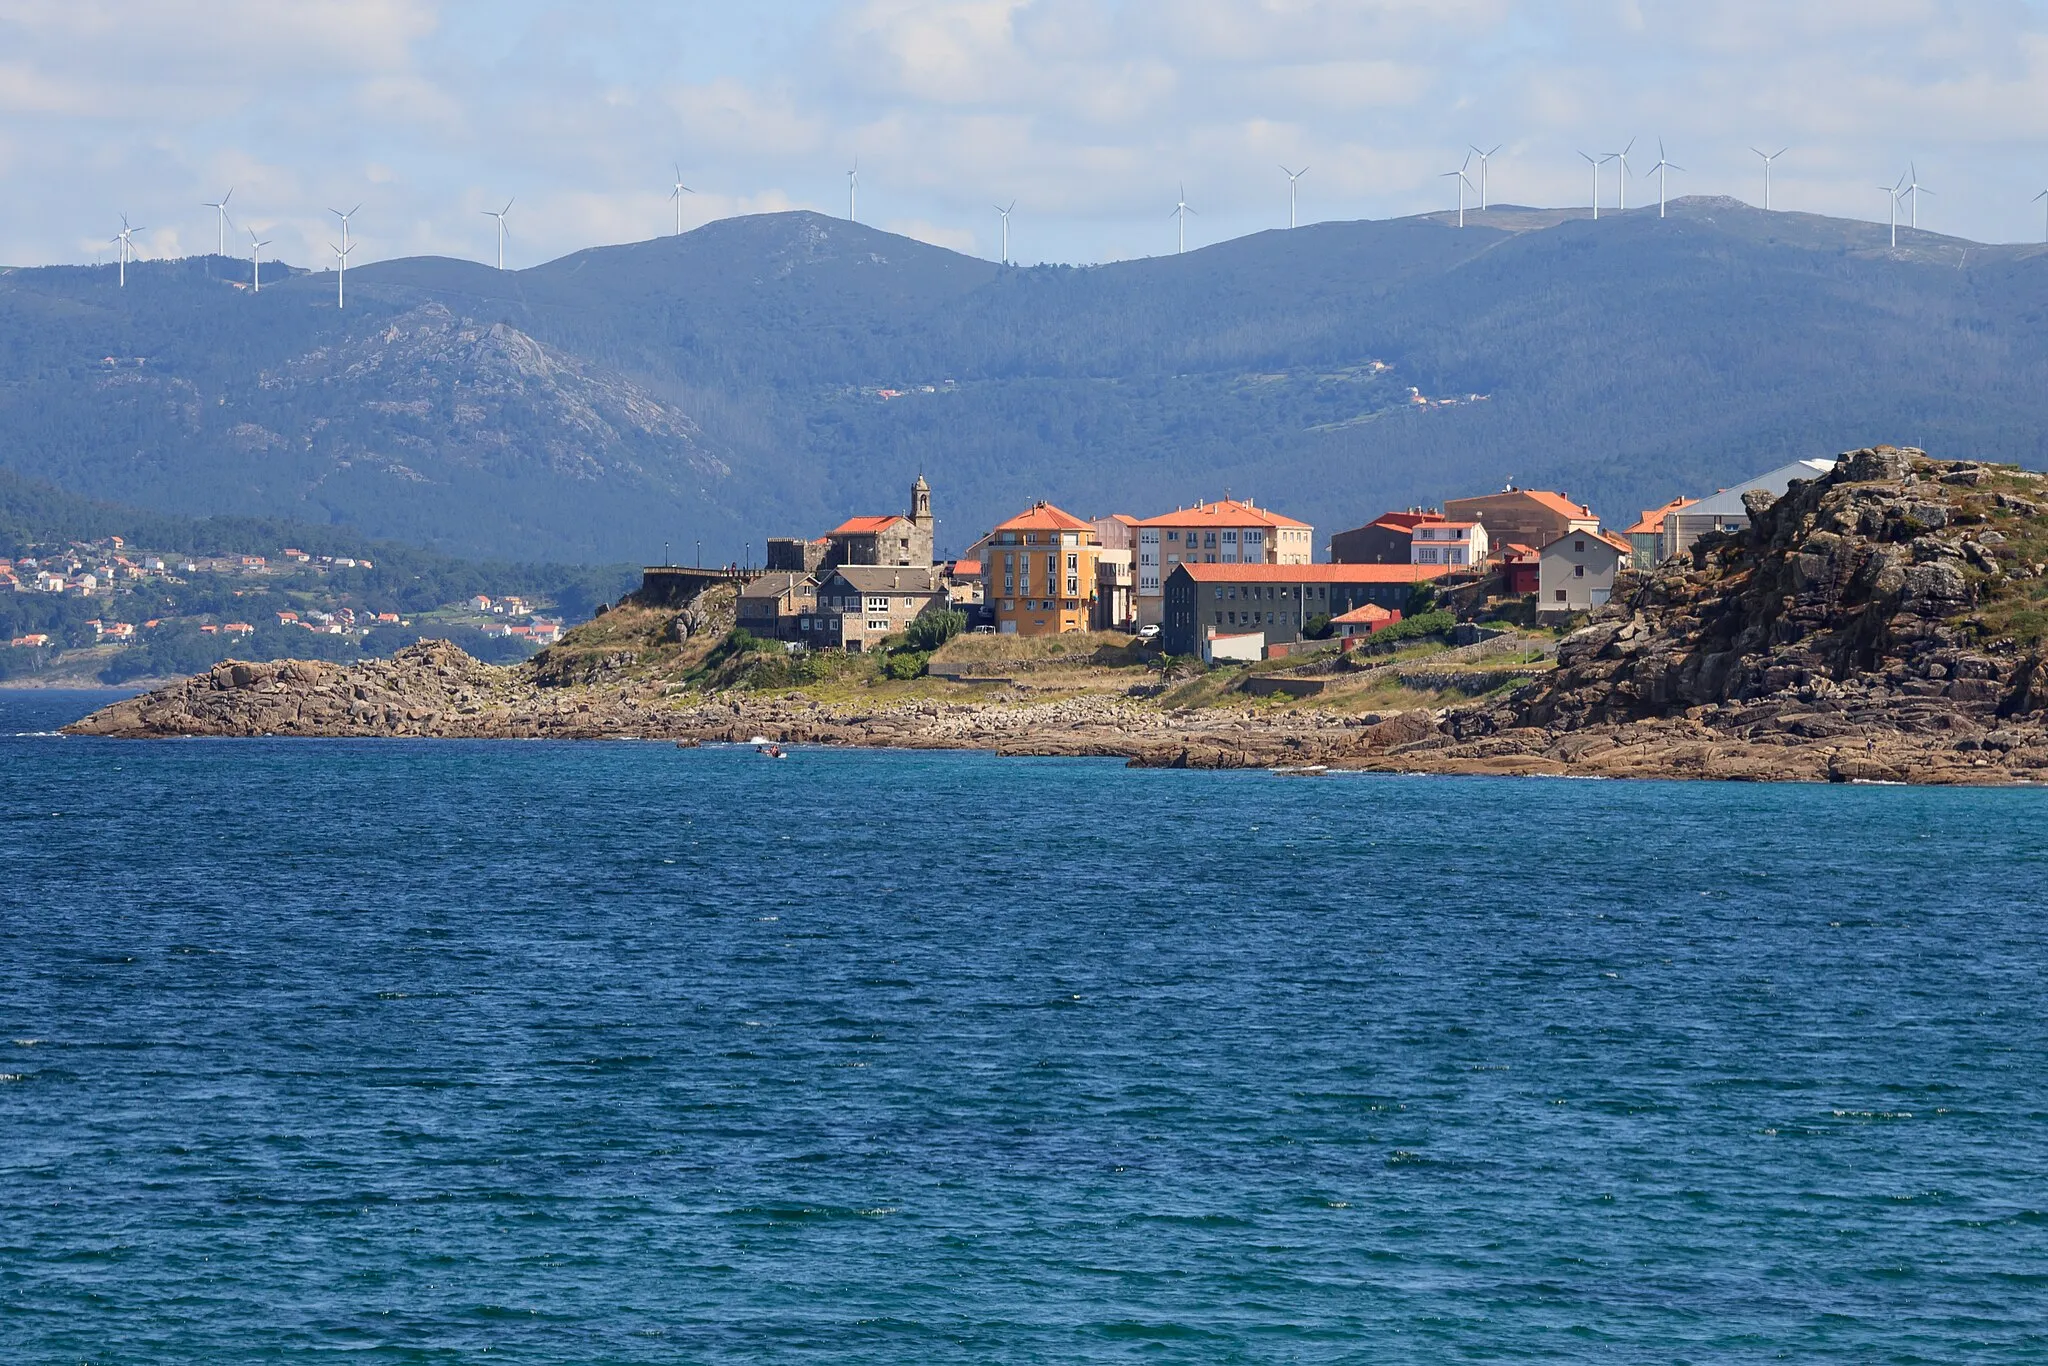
(730, 383)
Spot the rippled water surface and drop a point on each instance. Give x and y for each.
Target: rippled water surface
(622, 1053)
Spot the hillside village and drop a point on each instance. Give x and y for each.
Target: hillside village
(1219, 581)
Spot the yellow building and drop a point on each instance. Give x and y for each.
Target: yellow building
(1039, 568)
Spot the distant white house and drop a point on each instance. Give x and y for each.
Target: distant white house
(1575, 572)
(1442, 542)
(1723, 510)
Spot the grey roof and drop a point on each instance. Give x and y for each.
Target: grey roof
(774, 585)
(1728, 502)
(890, 578)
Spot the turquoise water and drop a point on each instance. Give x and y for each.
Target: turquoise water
(619, 1053)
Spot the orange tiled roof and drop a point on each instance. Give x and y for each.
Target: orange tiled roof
(1313, 573)
(1607, 539)
(1406, 521)
(1557, 502)
(1370, 612)
(1044, 517)
(863, 526)
(1227, 510)
(1653, 518)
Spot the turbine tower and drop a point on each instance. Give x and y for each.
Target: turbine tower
(1768, 157)
(340, 271)
(1292, 176)
(499, 214)
(853, 191)
(344, 217)
(1663, 164)
(1595, 165)
(1621, 179)
(1464, 184)
(1915, 189)
(1484, 157)
(677, 194)
(220, 206)
(125, 238)
(1006, 229)
(256, 263)
(1892, 192)
(1180, 231)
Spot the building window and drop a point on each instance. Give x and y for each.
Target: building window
(1073, 563)
(1578, 571)
(1560, 595)
(1173, 536)
(1230, 538)
(1009, 604)
(1579, 546)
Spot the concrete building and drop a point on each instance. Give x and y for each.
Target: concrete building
(858, 605)
(1387, 539)
(905, 539)
(1224, 532)
(1039, 571)
(1576, 571)
(1532, 517)
(1204, 599)
(1116, 604)
(1723, 510)
(1458, 544)
(1119, 531)
(1646, 537)
(772, 605)
(1363, 621)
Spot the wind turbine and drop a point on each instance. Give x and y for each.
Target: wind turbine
(1915, 189)
(2044, 214)
(1292, 176)
(677, 194)
(1596, 165)
(1181, 212)
(1663, 164)
(1892, 192)
(1483, 158)
(1464, 184)
(1768, 157)
(340, 271)
(220, 206)
(125, 238)
(1621, 180)
(1006, 229)
(853, 191)
(255, 263)
(344, 217)
(499, 214)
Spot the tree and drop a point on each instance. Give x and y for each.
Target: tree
(934, 629)
(1317, 627)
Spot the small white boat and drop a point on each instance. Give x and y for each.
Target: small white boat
(760, 740)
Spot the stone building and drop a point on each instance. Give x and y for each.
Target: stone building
(1533, 517)
(772, 605)
(858, 605)
(902, 539)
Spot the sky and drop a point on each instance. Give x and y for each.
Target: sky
(1092, 115)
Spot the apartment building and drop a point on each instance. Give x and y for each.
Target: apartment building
(1039, 568)
(1229, 531)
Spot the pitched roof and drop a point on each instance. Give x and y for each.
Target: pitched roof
(1370, 612)
(1608, 539)
(1653, 518)
(888, 578)
(1405, 521)
(1728, 502)
(865, 526)
(1544, 498)
(1044, 516)
(965, 569)
(774, 585)
(1312, 573)
(1226, 511)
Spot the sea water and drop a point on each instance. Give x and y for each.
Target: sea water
(615, 1052)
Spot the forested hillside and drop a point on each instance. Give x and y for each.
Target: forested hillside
(770, 374)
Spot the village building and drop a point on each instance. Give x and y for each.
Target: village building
(1363, 621)
(1576, 571)
(1532, 517)
(858, 605)
(1646, 537)
(1458, 544)
(1116, 599)
(905, 539)
(1520, 569)
(1274, 600)
(772, 606)
(797, 555)
(1229, 531)
(1387, 539)
(1724, 510)
(1039, 572)
(1119, 531)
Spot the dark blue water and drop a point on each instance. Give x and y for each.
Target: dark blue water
(619, 1053)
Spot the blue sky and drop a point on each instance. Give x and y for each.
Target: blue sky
(1089, 115)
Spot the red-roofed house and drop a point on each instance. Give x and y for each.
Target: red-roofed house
(1646, 537)
(898, 540)
(1519, 568)
(1228, 531)
(1277, 599)
(1575, 572)
(1458, 544)
(1039, 571)
(1531, 516)
(1362, 620)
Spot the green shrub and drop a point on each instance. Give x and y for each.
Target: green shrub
(1421, 601)
(934, 629)
(905, 664)
(1316, 627)
(1412, 628)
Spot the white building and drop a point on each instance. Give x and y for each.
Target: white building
(1452, 543)
(1575, 572)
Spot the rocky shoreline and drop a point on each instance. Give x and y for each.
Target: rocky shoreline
(1849, 635)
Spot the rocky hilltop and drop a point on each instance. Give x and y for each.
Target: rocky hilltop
(1883, 623)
